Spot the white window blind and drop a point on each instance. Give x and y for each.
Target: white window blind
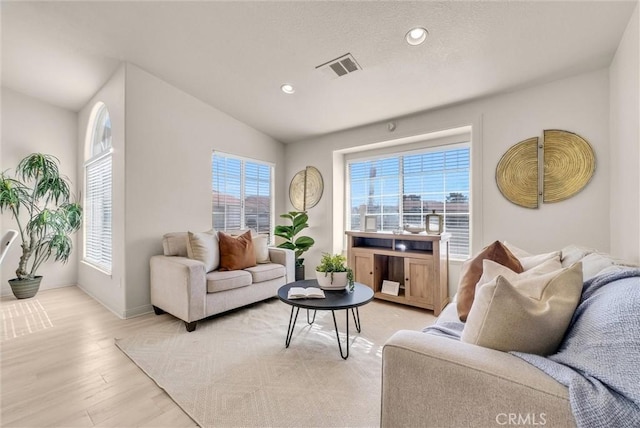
(98, 209)
(401, 189)
(241, 194)
(98, 192)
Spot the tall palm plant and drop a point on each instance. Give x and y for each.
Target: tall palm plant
(39, 199)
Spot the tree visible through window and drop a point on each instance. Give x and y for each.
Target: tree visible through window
(402, 189)
(98, 191)
(241, 194)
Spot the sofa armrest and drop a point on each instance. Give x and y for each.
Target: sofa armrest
(285, 257)
(179, 286)
(429, 380)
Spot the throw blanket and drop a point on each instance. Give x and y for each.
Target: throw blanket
(599, 358)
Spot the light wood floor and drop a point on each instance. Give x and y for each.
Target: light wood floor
(59, 366)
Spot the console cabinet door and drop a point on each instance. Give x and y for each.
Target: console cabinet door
(362, 265)
(419, 280)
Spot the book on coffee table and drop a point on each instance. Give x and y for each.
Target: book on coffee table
(305, 293)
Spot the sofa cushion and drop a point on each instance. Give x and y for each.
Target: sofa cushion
(203, 246)
(574, 253)
(593, 263)
(266, 272)
(227, 280)
(175, 244)
(527, 315)
(471, 272)
(236, 252)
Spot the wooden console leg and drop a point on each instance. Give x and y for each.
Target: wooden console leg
(158, 311)
(191, 326)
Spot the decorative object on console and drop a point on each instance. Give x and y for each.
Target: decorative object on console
(47, 220)
(413, 229)
(390, 287)
(305, 189)
(333, 274)
(568, 166)
(299, 244)
(434, 223)
(370, 223)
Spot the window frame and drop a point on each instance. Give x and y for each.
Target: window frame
(243, 179)
(105, 155)
(397, 152)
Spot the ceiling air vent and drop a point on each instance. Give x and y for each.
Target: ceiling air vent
(340, 66)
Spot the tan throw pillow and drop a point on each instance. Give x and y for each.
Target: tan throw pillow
(261, 248)
(203, 246)
(471, 271)
(528, 315)
(236, 252)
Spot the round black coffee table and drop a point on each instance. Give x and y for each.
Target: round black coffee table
(334, 300)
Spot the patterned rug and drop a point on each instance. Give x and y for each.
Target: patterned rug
(234, 370)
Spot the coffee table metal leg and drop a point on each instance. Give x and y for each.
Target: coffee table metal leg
(344, 357)
(291, 325)
(356, 318)
(314, 317)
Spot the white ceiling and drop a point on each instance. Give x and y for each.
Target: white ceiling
(235, 55)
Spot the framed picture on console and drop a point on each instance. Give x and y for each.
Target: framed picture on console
(390, 287)
(370, 223)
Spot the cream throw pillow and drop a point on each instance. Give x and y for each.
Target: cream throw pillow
(261, 248)
(526, 315)
(491, 270)
(528, 260)
(203, 246)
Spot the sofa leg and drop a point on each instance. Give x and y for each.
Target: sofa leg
(191, 326)
(158, 311)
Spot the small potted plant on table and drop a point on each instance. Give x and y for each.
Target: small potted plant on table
(333, 274)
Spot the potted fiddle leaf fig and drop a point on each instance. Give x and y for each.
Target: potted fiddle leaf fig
(299, 244)
(39, 199)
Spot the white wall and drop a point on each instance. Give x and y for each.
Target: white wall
(108, 289)
(170, 137)
(625, 145)
(579, 104)
(28, 126)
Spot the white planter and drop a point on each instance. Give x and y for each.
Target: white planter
(339, 280)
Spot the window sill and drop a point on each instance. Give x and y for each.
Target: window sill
(95, 267)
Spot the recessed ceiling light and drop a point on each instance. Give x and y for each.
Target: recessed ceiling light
(416, 36)
(287, 88)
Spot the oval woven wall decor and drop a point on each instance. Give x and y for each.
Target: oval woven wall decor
(517, 173)
(569, 164)
(305, 189)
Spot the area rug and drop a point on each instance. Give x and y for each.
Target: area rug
(234, 370)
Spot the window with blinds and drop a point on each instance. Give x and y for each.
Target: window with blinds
(401, 189)
(98, 192)
(242, 194)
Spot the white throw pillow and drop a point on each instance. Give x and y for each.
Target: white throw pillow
(203, 246)
(593, 263)
(261, 248)
(527, 315)
(528, 260)
(491, 270)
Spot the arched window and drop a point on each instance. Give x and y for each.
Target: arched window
(98, 190)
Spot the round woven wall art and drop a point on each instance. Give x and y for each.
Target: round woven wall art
(569, 164)
(517, 173)
(305, 189)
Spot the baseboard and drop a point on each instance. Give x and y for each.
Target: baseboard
(140, 310)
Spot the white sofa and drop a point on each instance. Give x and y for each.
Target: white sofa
(430, 380)
(182, 287)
